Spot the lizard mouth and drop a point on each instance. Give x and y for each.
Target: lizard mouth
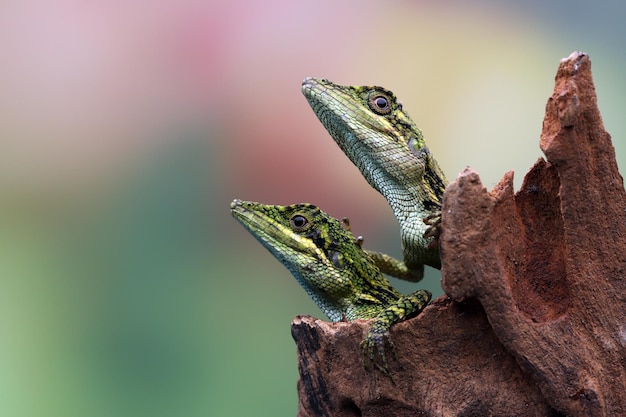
(341, 126)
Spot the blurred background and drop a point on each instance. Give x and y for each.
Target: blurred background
(126, 128)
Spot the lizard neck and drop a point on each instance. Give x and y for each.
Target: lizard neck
(409, 209)
(408, 196)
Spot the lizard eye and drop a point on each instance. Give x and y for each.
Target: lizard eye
(380, 103)
(299, 222)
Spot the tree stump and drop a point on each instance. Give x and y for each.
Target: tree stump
(534, 321)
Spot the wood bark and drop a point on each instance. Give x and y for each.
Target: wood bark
(533, 322)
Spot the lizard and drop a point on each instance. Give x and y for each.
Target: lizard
(330, 264)
(380, 138)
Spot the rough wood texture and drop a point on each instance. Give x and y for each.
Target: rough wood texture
(547, 265)
(449, 363)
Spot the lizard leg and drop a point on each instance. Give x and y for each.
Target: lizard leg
(395, 267)
(377, 340)
(388, 264)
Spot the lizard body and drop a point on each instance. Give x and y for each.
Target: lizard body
(381, 139)
(329, 263)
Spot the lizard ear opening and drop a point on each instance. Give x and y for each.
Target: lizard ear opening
(337, 259)
(417, 147)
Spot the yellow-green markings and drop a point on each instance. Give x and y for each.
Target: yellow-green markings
(329, 263)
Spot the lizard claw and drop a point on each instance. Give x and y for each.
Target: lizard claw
(434, 228)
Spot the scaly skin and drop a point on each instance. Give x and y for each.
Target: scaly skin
(380, 138)
(329, 263)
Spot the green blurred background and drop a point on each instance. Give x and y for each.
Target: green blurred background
(126, 289)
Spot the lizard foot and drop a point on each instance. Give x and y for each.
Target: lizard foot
(375, 346)
(434, 228)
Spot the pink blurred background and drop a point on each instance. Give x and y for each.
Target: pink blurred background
(127, 128)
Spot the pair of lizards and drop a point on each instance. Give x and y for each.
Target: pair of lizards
(345, 280)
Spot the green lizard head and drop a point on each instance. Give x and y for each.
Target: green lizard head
(321, 254)
(379, 137)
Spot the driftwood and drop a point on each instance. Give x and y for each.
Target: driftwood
(534, 318)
